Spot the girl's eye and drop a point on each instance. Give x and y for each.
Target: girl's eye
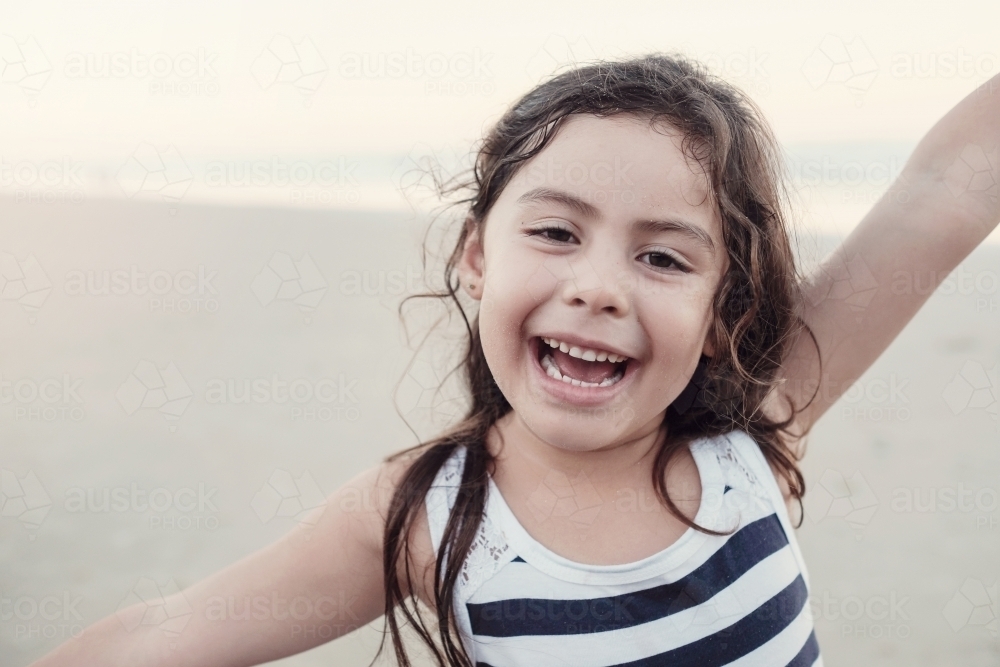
(557, 234)
(657, 259)
(663, 260)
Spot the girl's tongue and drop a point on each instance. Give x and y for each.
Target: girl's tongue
(585, 371)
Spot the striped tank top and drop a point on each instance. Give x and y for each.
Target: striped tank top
(737, 599)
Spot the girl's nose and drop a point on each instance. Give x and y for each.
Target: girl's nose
(597, 290)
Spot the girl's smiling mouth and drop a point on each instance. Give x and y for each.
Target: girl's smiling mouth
(579, 374)
(581, 367)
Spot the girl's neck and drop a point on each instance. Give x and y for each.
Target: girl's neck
(521, 449)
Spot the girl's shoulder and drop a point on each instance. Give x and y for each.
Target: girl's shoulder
(369, 498)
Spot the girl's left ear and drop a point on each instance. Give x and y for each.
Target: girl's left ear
(471, 263)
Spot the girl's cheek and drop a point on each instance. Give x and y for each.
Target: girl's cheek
(526, 278)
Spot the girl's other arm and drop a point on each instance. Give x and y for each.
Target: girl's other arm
(941, 207)
(255, 610)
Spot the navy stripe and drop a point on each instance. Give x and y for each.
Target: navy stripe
(531, 616)
(749, 633)
(746, 635)
(807, 656)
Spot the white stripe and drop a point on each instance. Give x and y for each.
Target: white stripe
(523, 580)
(758, 585)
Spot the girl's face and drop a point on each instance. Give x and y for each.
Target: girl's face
(596, 272)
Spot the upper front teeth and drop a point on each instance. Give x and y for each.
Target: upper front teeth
(584, 353)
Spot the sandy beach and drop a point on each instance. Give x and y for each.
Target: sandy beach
(131, 334)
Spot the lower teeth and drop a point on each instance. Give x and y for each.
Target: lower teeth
(553, 372)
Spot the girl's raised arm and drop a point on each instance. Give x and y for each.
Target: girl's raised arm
(941, 207)
(254, 611)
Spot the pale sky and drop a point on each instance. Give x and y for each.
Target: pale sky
(211, 83)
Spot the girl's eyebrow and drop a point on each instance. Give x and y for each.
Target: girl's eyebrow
(559, 197)
(694, 232)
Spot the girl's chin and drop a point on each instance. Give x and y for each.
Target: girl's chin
(576, 431)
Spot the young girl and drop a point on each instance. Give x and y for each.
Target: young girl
(643, 366)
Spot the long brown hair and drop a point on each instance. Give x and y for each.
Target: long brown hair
(755, 309)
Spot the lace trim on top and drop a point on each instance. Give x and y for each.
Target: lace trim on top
(488, 554)
(735, 472)
(489, 551)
